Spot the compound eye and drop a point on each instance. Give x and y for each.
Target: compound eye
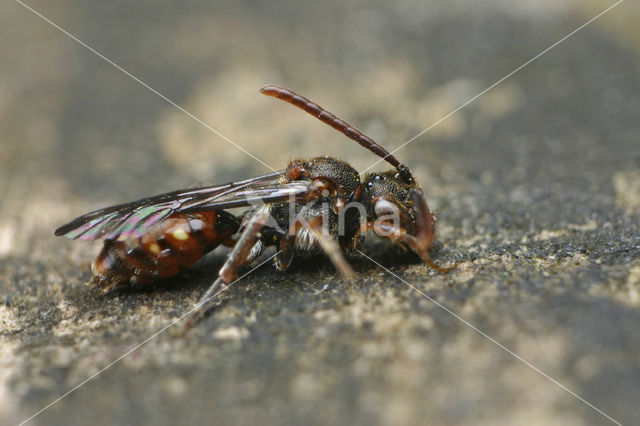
(384, 207)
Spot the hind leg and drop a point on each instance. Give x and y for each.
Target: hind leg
(239, 256)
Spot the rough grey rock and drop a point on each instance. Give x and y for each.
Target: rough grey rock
(535, 186)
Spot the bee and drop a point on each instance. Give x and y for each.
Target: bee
(319, 204)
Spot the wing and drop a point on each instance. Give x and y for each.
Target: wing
(252, 195)
(131, 220)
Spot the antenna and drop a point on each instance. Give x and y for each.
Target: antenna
(340, 125)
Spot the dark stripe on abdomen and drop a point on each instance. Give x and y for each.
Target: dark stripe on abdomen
(175, 244)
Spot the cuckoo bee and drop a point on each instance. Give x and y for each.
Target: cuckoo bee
(316, 204)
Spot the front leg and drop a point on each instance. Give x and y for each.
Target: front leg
(400, 235)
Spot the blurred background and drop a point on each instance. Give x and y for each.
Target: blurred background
(546, 165)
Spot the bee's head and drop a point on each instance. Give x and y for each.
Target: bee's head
(398, 204)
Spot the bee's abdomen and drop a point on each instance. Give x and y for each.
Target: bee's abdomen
(175, 244)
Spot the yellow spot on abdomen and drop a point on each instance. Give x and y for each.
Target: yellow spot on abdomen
(180, 234)
(154, 248)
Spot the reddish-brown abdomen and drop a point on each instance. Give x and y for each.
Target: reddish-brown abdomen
(175, 244)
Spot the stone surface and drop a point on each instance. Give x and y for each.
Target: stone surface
(535, 185)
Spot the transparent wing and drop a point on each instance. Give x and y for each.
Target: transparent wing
(136, 218)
